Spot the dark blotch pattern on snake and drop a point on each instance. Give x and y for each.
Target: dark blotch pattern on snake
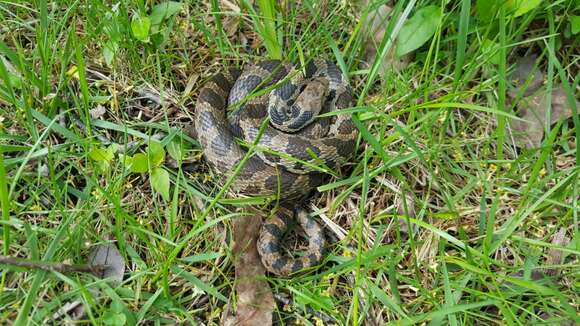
(228, 108)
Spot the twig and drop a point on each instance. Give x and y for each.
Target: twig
(51, 267)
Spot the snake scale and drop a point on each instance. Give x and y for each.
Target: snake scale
(296, 139)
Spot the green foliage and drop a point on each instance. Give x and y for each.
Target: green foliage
(160, 181)
(160, 14)
(488, 9)
(138, 163)
(109, 50)
(140, 26)
(520, 7)
(265, 22)
(491, 49)
(102, 157)
(164, 11)
(155, 153)
(575, 23)
(436, 226)
(418, 29)
(114, 316)
(177, 149)
(147, 29)
(151, 162)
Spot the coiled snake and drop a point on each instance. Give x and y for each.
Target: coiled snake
(297, 141)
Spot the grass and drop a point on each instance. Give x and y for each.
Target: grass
(440, 218)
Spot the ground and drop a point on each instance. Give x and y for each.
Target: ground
(460, 205)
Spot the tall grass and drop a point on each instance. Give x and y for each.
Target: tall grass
(440, 218)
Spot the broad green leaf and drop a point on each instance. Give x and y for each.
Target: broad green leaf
(138, 163)
(101, 154)
(575, 22)
(102, 158)
(418, 29)
(160, 182)
(486, 9)
(163, 11)
(140, 27)
(15, 81)
(102, 166)
(109, 51)
(445, 215)
(117, 305)
(114, 318)
(176, 149)
(522, 6)
(491, 49)
(156, 153)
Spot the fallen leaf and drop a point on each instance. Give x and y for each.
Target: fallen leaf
(97, 112)
(109, 258)
(555, 258)
(532, 109)
(555, 255)
(526, 88)
(375, 27)
(525, 78)
(406, 208)
(255, 303)
(231, 21)
(108, 255)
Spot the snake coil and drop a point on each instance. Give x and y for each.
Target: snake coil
(296, 139)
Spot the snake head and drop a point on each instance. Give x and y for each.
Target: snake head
(293, 107)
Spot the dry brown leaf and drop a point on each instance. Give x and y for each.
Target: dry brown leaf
(525, 77)
(375, 27)
(97, 112)
(255, 300)
(526, 81)
(555, 255)
(406, 207)
(231, 23)
(529, 133)
(112, 263)
(108, 255)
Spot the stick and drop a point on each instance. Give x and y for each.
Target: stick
(51, 267)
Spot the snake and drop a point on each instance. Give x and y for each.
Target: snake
(276, 129)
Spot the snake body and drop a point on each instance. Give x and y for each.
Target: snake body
(297, 141)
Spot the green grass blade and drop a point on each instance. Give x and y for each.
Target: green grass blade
(464, 17)
(5, 200)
